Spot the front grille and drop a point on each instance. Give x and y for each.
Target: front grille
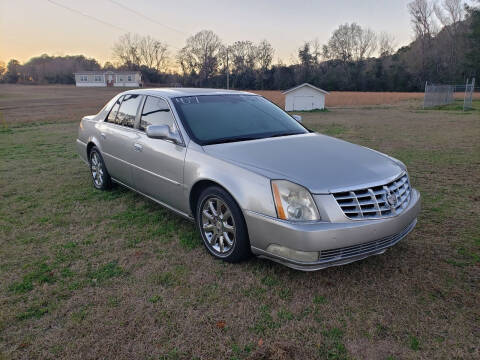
(365, 248)
(372, 203)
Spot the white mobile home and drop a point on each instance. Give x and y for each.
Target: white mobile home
(109, 78)
(304, 97)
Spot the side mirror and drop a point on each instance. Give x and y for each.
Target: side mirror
(163, 132)
(298, 118)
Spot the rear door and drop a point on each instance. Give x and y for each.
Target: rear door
(158, 170)
(117, 136)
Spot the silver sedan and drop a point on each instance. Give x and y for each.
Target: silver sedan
(252, 177)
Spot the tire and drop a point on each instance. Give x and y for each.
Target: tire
(223, 228)
(100, 177)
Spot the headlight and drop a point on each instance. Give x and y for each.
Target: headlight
(293, 202)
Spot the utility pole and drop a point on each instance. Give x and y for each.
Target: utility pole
(228, 73)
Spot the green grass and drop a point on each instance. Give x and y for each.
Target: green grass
(457, 106)
(155, 298)
(265, 322)
(42, 273)
(319, 299)
(105, 272)
(74, 260)
(333, 129)
(270, 281)
(165, 279)
(414, 343)
(310, 111)
(332, 346)
(34, 311)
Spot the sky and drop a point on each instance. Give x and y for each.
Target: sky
(33, 27)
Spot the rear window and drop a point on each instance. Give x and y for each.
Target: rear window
(128, 110)
(113, 112)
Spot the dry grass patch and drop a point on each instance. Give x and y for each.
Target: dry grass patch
(88, 274)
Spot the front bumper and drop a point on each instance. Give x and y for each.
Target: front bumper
(338, 243)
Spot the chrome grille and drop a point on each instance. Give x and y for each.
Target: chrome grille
(365, 248)
(372, 203)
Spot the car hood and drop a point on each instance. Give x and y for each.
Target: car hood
(320, 163)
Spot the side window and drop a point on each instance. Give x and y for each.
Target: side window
(128, 110)
(113, 112)
(156, 112)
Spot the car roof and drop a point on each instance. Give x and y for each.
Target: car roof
(175, 92)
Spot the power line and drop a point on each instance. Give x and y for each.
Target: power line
(147, 17)
(87, 16)
(96, 19)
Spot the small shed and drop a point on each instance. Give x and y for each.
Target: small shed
(304, 97)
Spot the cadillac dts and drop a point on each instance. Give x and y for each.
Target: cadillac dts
(251, 176)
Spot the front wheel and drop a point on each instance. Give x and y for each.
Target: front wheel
(222, 225)
(101, 178)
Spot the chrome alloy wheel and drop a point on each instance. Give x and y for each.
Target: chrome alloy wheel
(218, 225)
(97, 169)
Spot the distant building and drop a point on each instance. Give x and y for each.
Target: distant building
(109, 78)
(304, 97)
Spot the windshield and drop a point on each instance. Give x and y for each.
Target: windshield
(213, 119)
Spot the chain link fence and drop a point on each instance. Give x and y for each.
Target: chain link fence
(436, 95)
(467, 100)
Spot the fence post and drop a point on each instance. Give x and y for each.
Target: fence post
(425, 95)
(468, 97)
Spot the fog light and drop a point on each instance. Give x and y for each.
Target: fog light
(292, 254)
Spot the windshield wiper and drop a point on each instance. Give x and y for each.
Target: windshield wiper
(246, 138)
(232, 139)
(284, 134)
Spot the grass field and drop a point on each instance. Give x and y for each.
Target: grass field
(87, 274)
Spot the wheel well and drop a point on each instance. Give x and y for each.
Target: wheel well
(197, 189)
(89, 147)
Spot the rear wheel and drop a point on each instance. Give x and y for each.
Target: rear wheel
(101, 178)
(222, 225)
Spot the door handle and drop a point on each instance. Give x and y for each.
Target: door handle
(137, 147)
(103, 135)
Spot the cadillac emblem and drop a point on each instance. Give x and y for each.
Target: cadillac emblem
(391, 198)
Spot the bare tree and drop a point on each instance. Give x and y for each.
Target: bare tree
(243, 55)
(366, 42)
(341, 43)
(186, 61)
(153, 53)
(224, 58)
(265, 55)
(134, 51)
(305, 55)
(201, 54)
(450, 13)
(316, 49)
(3, 68)
(423, 23)
(421, 12)
(127, 50)
(350, 43)
(386, 44)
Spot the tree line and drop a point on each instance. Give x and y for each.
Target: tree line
(446, 49)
